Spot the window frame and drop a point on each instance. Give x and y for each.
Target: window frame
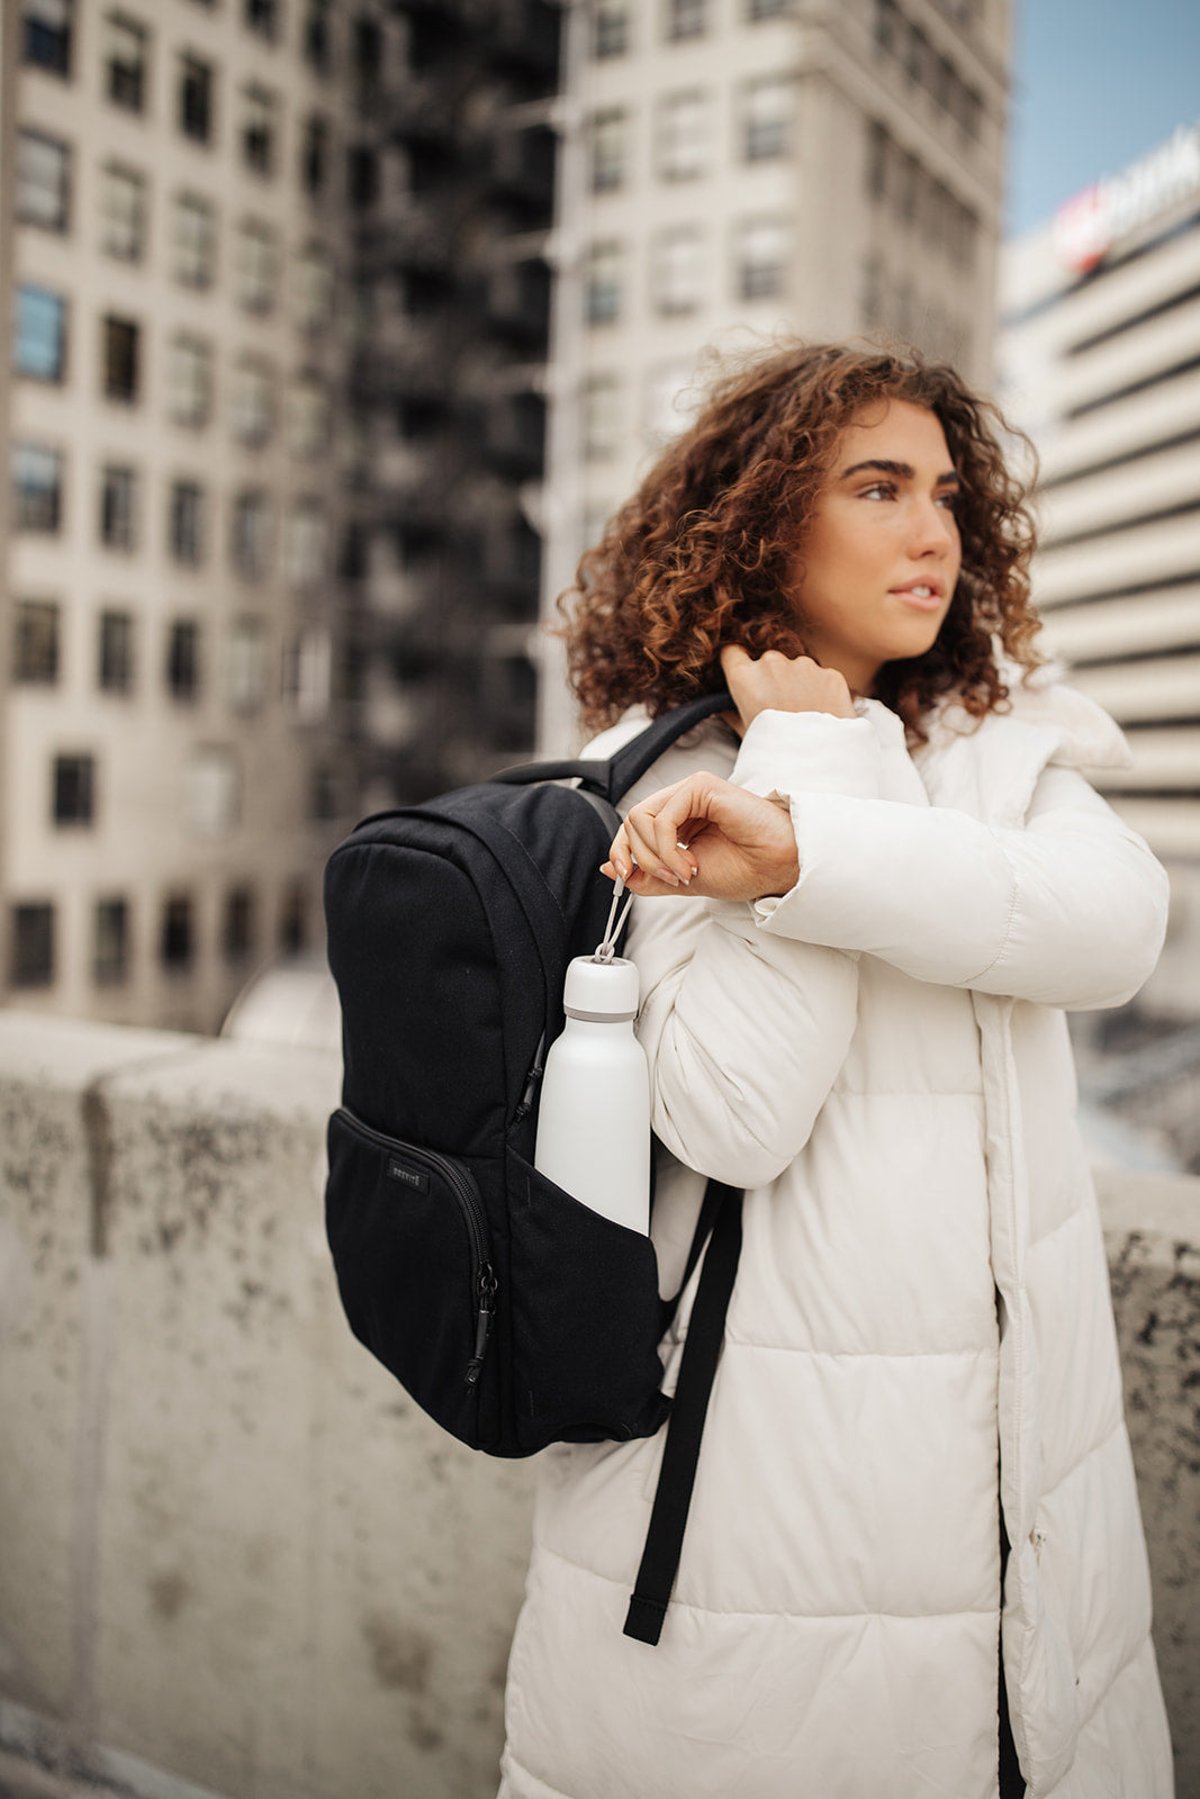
(59, 308)
(64, 181)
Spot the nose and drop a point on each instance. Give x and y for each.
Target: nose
(932, 528)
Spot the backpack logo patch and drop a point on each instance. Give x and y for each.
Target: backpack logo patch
(412, 1177)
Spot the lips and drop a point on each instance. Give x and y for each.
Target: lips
(925, 595)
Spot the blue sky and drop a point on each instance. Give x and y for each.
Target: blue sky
(1095, 84)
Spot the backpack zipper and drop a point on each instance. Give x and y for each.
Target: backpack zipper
(463, 1186)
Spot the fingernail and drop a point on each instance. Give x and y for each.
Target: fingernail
(665, 874)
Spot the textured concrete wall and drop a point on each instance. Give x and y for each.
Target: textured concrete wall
(232, 1549)
(234, 1559)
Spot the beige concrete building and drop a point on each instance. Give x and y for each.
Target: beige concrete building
(1100, 363)
(179, 331)
(733, 169)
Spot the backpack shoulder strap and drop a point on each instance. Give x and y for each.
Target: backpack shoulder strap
(685, 1425)
(613, 777)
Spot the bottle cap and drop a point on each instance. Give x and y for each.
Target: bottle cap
(603, 992)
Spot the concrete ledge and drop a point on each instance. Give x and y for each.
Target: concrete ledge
(237, 1560)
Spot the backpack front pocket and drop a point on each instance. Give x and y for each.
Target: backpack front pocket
(409, 1237)
(585, 1319)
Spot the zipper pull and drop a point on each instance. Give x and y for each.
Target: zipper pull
(534, 1076)
(483, 1321)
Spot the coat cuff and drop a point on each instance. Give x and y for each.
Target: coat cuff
(786, 753)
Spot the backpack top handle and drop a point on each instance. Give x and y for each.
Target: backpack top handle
(614, 777)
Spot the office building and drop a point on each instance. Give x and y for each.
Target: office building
(277, 321)
(734, 169)
(1100, 363)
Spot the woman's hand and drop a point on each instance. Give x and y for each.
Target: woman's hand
(780, 683)
(735, 845)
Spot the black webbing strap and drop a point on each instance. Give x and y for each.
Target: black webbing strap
(709, 1207)
(685, 1427)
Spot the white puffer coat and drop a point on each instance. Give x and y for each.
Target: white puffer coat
(921, 1326)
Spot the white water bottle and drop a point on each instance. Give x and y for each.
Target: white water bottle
(593, 1135)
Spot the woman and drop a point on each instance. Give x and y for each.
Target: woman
(876, 889)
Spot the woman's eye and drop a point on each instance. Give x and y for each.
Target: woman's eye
(886, 487)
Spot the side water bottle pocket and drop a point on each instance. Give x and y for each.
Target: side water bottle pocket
(408, 1232)
(585, 1319)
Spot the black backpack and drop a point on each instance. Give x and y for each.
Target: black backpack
(514, 1315)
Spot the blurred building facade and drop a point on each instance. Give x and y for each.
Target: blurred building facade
(175, 432)
(1100, 363)
(278, 318)
(734, 169)
(459, 165)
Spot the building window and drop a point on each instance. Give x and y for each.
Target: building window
(46, 40)
(114, 671)
(878, 158)
(312, 291)
(307, 672)
(678, 270)
(252, 401)
(886, 27)
(768, 110)
(250, 547)
(603, 289)
(121, 341)
(35, 643)
(214, 790)
(261, 16)
(872, 292)
(189, 381)
(110, 943)
(125, 62)
(610, 28)
(31, 958)
(607, 146)
(683, 136)
(118, 506)
(259, 110)
(601, 416)
(669, 402)
(685, 18)
(43, 181)
(366, 55)
(362, 177)
(40, 335)
(293, 920)
(193, 241)
(239, 926)
(183, 659)
(256, 266)
(323, 793)
(195, 99)
(176, 946)
(307, 416)
(316, 36)
(185, 523)
(917, 62)
(314, 157)
(74, 790)
(763, 247)
(246, 670)
(758, 10)
(305, 544)
(37, 483)
(122, 214)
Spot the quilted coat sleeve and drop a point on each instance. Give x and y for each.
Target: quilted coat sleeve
(744, 1031)
(1069, 910)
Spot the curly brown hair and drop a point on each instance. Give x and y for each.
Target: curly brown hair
(701, 554)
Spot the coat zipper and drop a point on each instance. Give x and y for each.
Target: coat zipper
(466, 1192)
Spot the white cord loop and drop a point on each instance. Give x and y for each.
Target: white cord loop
(606, 948)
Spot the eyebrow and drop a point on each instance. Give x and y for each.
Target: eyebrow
(903, 470)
